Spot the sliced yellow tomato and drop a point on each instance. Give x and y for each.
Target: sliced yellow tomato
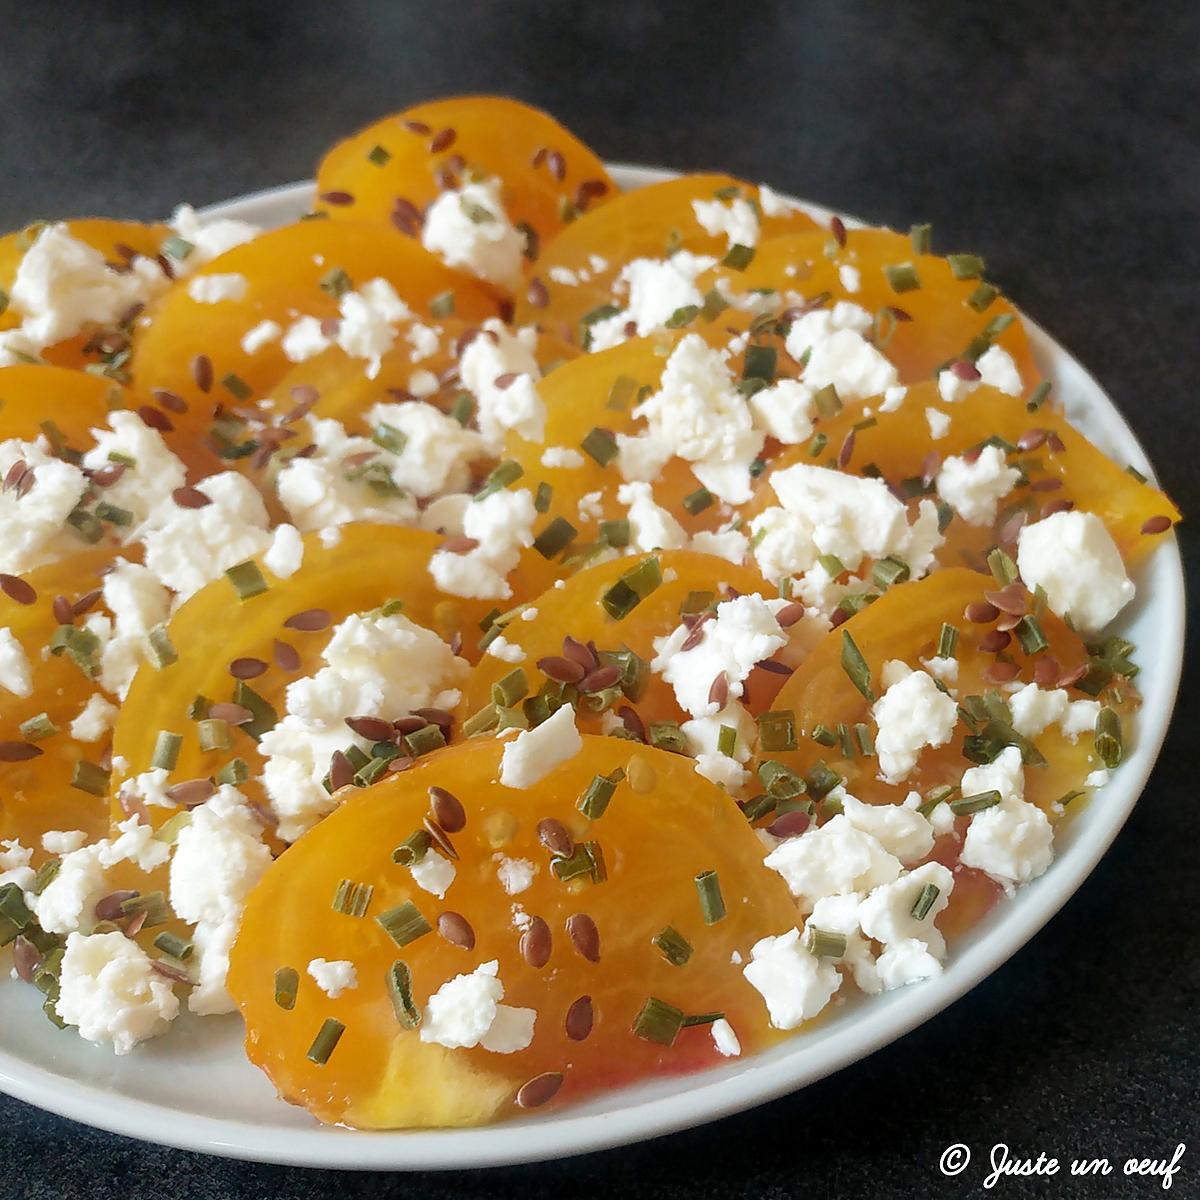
(924, 326)
(38, 761)
(393, 169)
(285, 629)
(194, 350)
(590, 937)
(576, 272)
(582, 610)
(33, 397)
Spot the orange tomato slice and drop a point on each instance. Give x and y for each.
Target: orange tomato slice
(661, 828)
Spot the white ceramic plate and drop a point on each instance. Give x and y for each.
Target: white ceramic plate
(194, 1088)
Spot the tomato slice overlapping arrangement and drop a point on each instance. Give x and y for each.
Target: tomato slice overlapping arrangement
(552, 880)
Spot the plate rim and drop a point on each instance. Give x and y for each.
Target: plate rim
(715, 1094)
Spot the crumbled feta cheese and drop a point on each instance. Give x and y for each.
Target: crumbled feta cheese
(466, 1011)
(832, 859)
(905, 962)
(974, 489)
(725, 1040)
(501, 524)
(650, 526)
(16, 671)
(773, 204)
(1097, 778)
(784, 411)
(696, 414)
(69, 900)
(437, 451)
(468, 228)
(886, 914)
(515, 874)
(109, 989)
(944, 670)
(376, 666)
(497, 353)
(195, 545)
(305, 339)
(899, 829)
(702, 735)
(913, 713)
(839, 354)
(208, 239)
(996, 369)
(445, 514)
(285, 555)
(63, 841)
(657, 289)
(1033, 708)
(737, 221)
(213, 289)
(95, 719)
(536, 752)
(1073, 556)
(744, 632)
(261, 335)
(728, 544)
(893, 397)
(33, 523)
(500, 647)
(138, 602)
(938, 422)
(850, 278)
(434, 874)
(591, 506)
(562, 457)
(425, 341)
(333, 978)
(368, 320)
(839, 914)
(1081, 717)
(146, 483)
(794, 984)
(150, 788)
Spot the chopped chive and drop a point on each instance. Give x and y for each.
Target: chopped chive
(166, 750)
(214, 735)
(965, 266)
(14, 913)
(935, 797)
(856, 666)
(966, 805)
(424, 740)
(682, 316)
(777, 730)
(831, 565)
(555, 538)
(866, 740)
(1003, 569)
(616, 534)
(247, 579)
(947, 641)
(399, 986)
(727, 740)
(504, 474)
(823, 735)
(817, 445)
(712, 903)
(263, 715)
(779, 780)
(673, 946)
(542, 497)
(380, 156)
(1030, 634)
(596, 797)
(235, 772)
(924, 902)
(389, 437)
(696, 602)
(822, 943)
(888, 571)
(707, 1018)
(738, 257)
(632, 588)
(413, 849)
(326, 1041)
(404, 923)
(153, 904)
(760, 363)
(997, 325)
(697, 501)
(88, 777)
(714, 305)
(353, 899)
(821, 780)
(46, 874)
(35, 729)
(442, 305)
(81, 646)
(902, 277)
(667, 735)
(658, 1022)
(981, 298)
(828, 402)
(482, 721)
(600, 313)
(845, 743)
(162, 649)
(621, 393)
(287, 984)
(921, 237)
(1038, 397)
(174, 945)
(512, 688)
(113, 515)
(177, 247)
(170, 829)
(237, 387)
(1109, 747)
(600, 445)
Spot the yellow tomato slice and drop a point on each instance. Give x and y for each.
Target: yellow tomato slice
(661, 828)
(32, 397)
(547, 173)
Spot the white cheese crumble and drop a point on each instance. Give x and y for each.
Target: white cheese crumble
(333, 977)
(536, 752)
(433, 874)
(16, 671)
(656, 289)
(839, 354)
(784, 410)
(850, 278)
(516, 875)
(437, 451)
(260, 336)
(33, 523)
(1073, 556)
(366, 328)
(996, 369)
(110, 991)
(469, 229)
(145, 486)
(938, 422)
(562, 457)
(886, 914)
(703, 739)
(898, 828)
(500, 647)
(736, 221)
(499, 354)
(651, 527)
(466, 1012)
(974, 489)
(794, 984)
(63, 841)
(501, 524)
(208, 239)
(138, 602)
(216, 288)
(285, 554)
(911, 714)
(725, 1040)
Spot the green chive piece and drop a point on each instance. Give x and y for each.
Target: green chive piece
(214, 735)
(673, 946)
(601, 313)
(326, 1041)
(14, 913)
(965, 805)
(413, 849)
(760, 363)
(888, 571)
(727, 740)
(777, 731)
(174, 945)
(682, 316)
(714, 305)
(707, 1018)
(828, 402)
(3, 302)
(997, 325)
(36, 729)
(287, 984)
(88, 777)
(616, 534)
(600, 445)
(162, 649)
(921, 237)
(46, 874)
(658, 1022)
(404, 923)
(555, 538)
(821, 780)
(936, 796)
(166, 750)
(153, 904)
(247, 579)
(542, 497)
(596, 797)
(902, 277)
(866, 740)
(1109, 747)
(1002, 567)
(237, 387)
(947, 641)
(399, 986)
(86, 524)
(114, 515)
(177, 247)
(622, 392)
(170, 830)
(379, 155)
(235, 772)
(831, 565)
(924, 902)
(442, 305)
(856, 666)
(389, 437)
(1039, 396)
(822, 943)
(845, 742)
(81, 646)
(817, 446)
(264, 715)
(424, 740)
(697, 602)
(965, 266)
(667, 735)
(1030, 634)
(823, 735)
(353, 899)
(712, 903)
(981, 298)
(504, 474)
(738, 257)
(511, 689)
(780, 781)
(697, 501)
(482, 721)
(632, 588)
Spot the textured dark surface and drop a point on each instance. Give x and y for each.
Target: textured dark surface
(1059, 140)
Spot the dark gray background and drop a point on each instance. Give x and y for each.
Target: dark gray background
(1058, 139)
